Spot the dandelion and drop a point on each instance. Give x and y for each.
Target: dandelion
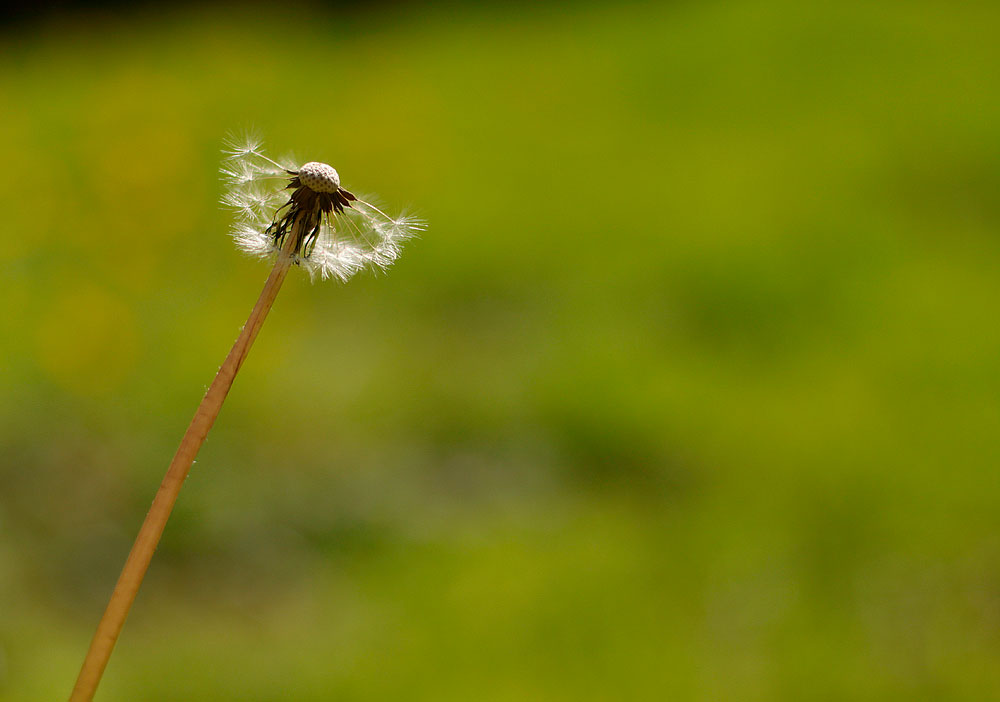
(321, 227)
(341, 233)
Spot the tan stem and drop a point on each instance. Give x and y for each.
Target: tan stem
(152, 528)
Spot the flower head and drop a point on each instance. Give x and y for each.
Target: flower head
(338, 233)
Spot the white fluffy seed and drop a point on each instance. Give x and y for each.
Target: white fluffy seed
(319, 177)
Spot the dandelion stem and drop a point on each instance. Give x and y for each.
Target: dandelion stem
(141, 554)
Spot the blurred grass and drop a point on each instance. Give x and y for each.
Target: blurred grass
(690, 391)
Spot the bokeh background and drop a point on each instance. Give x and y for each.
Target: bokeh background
(689, 392)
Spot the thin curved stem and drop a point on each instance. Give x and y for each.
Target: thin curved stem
(145, 544)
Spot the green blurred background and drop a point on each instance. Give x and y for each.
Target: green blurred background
(689, 392)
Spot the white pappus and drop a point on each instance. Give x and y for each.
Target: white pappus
(341, 233)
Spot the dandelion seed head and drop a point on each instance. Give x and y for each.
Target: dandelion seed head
(319, 177)
(339, 234)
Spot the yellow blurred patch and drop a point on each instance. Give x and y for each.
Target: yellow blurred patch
(87, 340)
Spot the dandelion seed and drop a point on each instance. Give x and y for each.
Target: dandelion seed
(342, 233)
(321, 227)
